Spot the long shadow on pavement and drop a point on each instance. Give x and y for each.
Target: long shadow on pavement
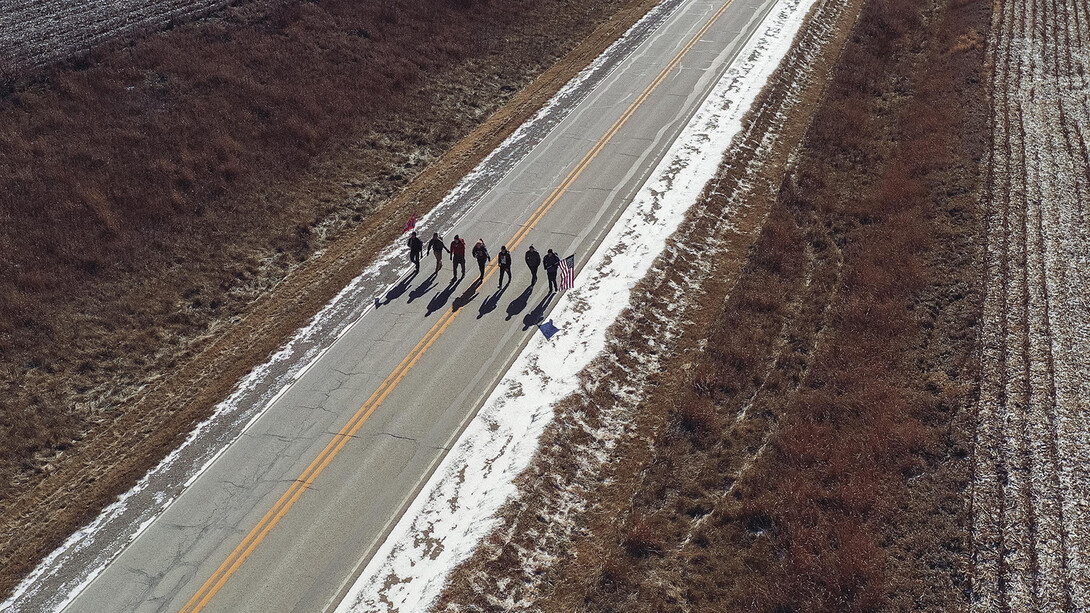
(467, 296)
(440, 300)
(519, 303)
(423, 288)
(491, 302)
(399, 289)
(537, 315)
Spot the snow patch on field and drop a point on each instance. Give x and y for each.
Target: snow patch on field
(456, 508)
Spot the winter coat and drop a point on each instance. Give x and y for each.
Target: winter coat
(481, 252)
(436, 245)
(458, 248)
(551, 261)
(415, 244)
(504, 259)
(533, 259)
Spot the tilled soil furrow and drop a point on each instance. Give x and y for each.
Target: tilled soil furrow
(989, 468)
(1051, 569)
(33, 34)
(990, 485)
(1016, 569)
(1020, 532)
(1067, 281)
(1055, 284)
(1029, 475)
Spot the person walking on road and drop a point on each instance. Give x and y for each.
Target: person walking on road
(504, 260)
(415, 247)
(436, 246)
(533, 260)
(480, 253)
(458, 255)
(551, 263)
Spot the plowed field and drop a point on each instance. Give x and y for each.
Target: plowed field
(34, 33)
(1030, 510)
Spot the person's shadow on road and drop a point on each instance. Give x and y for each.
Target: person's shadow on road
(519, 303)
(466, 297)
(440, 300)
(537, 315)
(399, 289)
(491, 302)
(423, 288)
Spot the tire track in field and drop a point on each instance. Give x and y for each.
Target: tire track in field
(1028, 495)
(34, 33)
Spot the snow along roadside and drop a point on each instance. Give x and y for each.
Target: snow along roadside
(70, 568)
(457, 507)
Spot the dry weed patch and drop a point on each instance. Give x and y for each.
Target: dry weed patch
(864, 440)
(811, 454)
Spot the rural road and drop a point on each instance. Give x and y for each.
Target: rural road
(289, 514)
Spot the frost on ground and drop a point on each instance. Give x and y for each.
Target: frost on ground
(1029, 495)
(456, 508)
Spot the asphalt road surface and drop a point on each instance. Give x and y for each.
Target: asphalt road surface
(290, 513)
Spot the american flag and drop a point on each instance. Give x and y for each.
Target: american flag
(567, 272)
(411, 225)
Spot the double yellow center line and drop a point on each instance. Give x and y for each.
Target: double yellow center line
(277, 512)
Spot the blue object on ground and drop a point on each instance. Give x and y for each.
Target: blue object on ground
(548, 329)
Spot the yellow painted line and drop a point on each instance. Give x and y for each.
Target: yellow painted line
(288, 499)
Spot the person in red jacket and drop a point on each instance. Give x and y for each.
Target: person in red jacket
(458, 255)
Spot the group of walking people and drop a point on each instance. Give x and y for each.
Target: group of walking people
(457, 251)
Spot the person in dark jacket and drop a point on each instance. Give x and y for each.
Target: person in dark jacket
(458, 255)
(436, 246)
(551, 263)
(533, 260)
(480, 253)
(504, 260)
(415, 247)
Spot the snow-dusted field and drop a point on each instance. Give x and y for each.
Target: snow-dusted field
(1031, 487)
(36, 32)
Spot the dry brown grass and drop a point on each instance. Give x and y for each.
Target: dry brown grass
(143, 143)
(845, 467)
(812, 456)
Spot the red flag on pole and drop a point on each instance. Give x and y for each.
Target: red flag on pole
(411, 225)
